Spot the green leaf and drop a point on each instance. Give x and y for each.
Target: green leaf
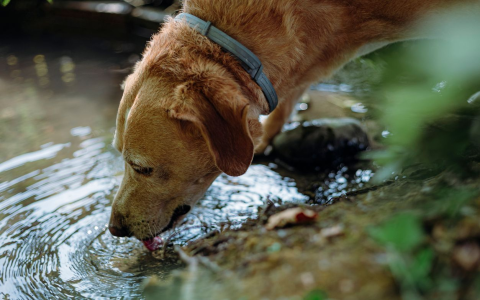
(450, 201)
(50, 1)
(421, 266)
(402, 232)
(5, 2)
(316, 295)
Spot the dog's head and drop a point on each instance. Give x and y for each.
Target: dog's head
(183, 119)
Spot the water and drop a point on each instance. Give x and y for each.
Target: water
(59, 175)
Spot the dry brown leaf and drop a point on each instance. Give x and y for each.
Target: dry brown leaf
(290, 216)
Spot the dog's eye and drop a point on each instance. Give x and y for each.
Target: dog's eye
(143, 171)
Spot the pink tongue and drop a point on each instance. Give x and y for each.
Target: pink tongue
(153, 244)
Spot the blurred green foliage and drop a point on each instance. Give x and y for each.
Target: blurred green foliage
(316, 295)
(401, 233)
(409, 260)
(429, 100)
(449, 201)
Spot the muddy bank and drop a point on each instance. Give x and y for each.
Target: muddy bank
(402, 239)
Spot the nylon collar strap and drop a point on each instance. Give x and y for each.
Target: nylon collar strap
(248, 60)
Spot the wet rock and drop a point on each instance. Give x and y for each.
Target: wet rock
(321, 142)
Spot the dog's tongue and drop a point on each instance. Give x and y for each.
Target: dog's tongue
(153, 243)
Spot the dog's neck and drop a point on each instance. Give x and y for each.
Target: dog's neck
(302, 42)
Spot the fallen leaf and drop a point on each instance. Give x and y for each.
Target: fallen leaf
(290, 216)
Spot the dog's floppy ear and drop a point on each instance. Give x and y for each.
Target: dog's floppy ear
(217, 107)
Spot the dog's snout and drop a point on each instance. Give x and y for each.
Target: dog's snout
(118, 231)
(117, 225)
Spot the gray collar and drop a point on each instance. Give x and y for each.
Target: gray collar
(248, 60)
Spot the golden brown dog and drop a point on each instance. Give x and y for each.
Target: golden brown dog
(190, 111)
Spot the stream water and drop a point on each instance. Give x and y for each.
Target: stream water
(59, 175)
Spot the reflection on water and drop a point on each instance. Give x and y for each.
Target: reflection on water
(59, 174)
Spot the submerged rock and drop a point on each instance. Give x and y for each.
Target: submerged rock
(321, 142)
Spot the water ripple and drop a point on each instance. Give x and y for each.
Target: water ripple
(45, 153)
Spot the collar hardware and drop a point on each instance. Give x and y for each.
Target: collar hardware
(249, 61)
(206, 28)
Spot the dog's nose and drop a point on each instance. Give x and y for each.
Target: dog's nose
(118, 231)
(117, 224)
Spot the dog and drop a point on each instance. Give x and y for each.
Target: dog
(190, 110)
